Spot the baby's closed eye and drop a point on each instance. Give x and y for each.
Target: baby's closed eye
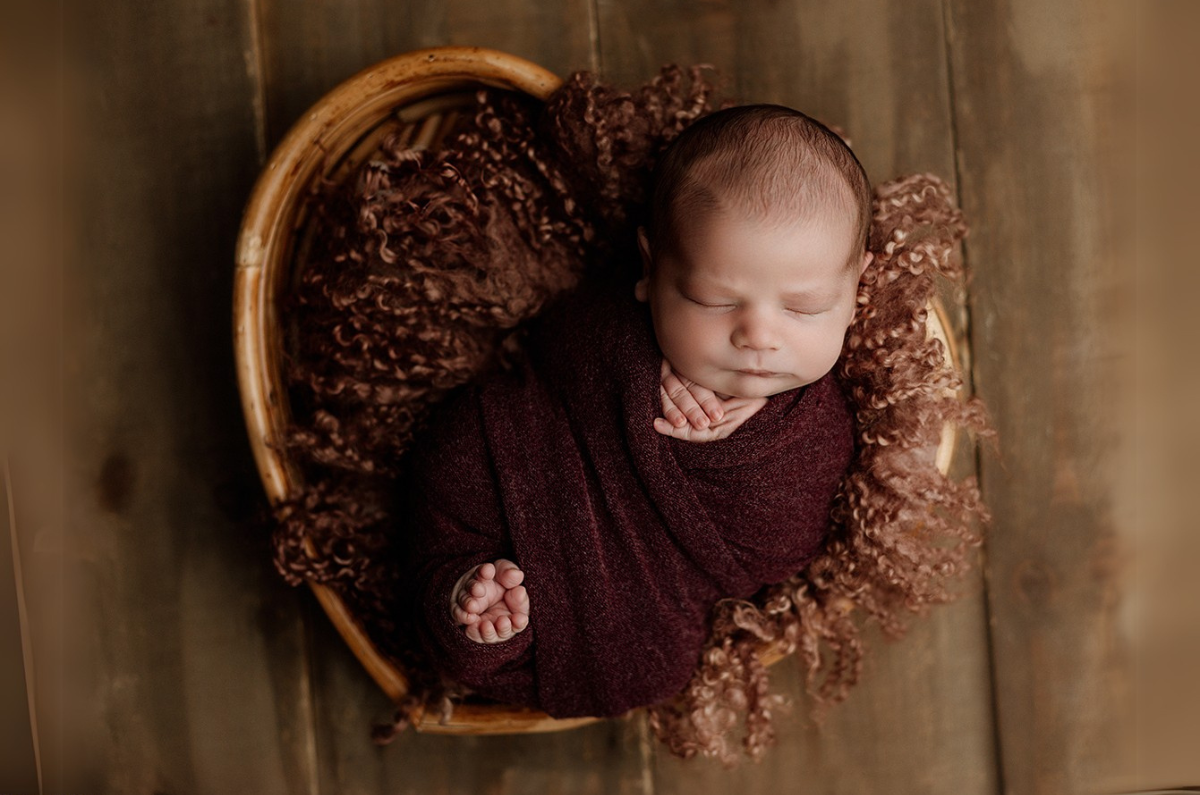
(710, 303)
(806, 311)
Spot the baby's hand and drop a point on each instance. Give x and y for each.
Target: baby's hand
(490, 602)
(695, 414)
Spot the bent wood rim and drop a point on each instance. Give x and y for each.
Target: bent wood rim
(313, 147)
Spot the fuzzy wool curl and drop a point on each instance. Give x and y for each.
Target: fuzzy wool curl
(419, 277)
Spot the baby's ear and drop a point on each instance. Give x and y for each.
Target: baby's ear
(641, 290)
(868, 258)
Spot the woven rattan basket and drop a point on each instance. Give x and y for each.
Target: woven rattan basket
(419, 94)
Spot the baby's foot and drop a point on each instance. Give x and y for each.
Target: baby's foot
(490, 602)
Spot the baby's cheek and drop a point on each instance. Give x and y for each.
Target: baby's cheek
(814, 354)
(831, 350)
(682, 340)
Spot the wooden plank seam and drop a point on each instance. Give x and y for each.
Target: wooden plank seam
(23, 620)
(968, 374)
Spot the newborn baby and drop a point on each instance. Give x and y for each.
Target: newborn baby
(569, 543)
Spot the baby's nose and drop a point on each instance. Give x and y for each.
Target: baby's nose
(754, 332)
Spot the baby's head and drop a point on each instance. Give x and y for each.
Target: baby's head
(755, 244)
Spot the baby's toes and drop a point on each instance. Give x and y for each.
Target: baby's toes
(465, 616)
(487, 631)
(509, 576)
(504, 628)
(517, 600)
(470, 600)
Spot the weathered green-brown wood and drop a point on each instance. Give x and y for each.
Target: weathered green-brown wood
(194, 648)
(921, 720)
(602, 758)
(308, 48)
(31, 685)
(305, 49)
(1036, 89)
(1157, 488)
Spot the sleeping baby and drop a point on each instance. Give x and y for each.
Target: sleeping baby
(662, 445)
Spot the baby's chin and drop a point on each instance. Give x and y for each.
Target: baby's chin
(751, 387)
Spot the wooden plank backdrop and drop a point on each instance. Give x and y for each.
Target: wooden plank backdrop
(200, 679)
(207, 674)
(1037, 87)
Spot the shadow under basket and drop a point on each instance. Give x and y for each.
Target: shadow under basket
(418, 94)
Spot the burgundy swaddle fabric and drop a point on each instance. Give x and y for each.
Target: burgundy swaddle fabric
(627, 537)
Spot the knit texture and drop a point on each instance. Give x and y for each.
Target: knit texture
(627, 537)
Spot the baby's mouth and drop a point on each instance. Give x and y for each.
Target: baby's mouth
(759, 373)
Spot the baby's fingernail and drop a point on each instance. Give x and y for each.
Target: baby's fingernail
(679, 421)
(718, 414)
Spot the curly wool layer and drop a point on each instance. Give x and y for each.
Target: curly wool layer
(391, 311)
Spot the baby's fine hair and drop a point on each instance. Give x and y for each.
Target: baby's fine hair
(770, 161)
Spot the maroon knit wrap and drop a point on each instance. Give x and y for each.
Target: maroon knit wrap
(627, 537)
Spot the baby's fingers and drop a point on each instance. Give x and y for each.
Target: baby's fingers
(709, 402)
(670, 411)
(683, 396)
(676, 396)
(685, 432)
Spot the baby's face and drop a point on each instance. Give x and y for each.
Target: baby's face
(749, 308)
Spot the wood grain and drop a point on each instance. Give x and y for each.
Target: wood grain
(606, 757)
(1157, 484)
(31, 585)
(1036, 87)
(921, 721)
(306, 49)
(195, 649)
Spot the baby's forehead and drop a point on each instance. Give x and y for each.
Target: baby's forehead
(766, 194)
(735, 245)
(736, 215)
